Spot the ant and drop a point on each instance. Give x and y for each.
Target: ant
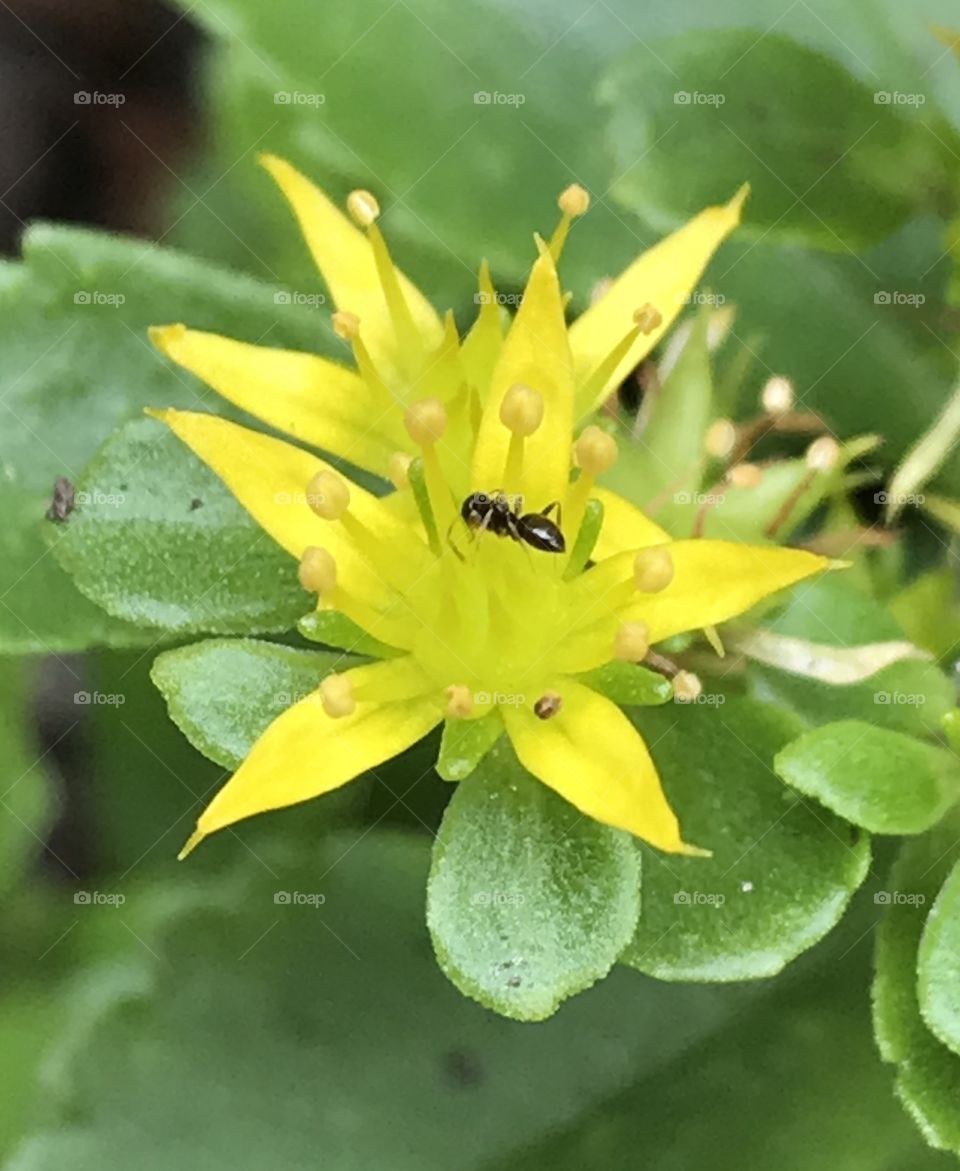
(482, 511)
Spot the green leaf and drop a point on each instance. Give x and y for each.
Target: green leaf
(26, 804)
(465, 743)
(938, 981)
(333, 628)
(782, 870)
(885, 781)
(76, 362)
(816, 146)
(159, 540)
(529, 902)
(629, 684)
(909, 696)
(223, 693)
(928, 1073)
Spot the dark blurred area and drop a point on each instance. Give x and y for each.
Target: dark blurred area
(99, 107)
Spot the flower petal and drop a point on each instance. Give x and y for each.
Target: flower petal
(345, 258)
(662, 276)
(592, 755)
(624, 526)
(311, 398)
(536, 352)
(305, 752)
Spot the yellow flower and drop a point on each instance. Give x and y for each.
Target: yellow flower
(483, 633)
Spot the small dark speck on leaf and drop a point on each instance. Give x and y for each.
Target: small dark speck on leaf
(124, 487)
(514, 982)
(195, 503)
(462, 1069)
(61, 504)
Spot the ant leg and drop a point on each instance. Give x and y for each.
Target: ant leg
(450, 539)
(554, 504)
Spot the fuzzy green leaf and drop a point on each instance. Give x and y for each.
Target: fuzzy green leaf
(885, 781)
(782, 870)
(938, 971)
(529, 902)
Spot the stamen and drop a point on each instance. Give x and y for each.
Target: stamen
(744, 475)
(720, 438)
(426, 422)
(522, 413)
(632, 641)
(686, 686)
(328, 495)
(648, 318)
(653, 569)
(777, 395)
(398, 469)
(459, 701)
(645, 319)
(595, 451)
(336, 695)
(573, 201)
(318, 571)
(548, 705)
(363, 207)
(822, 454)
(346, 325)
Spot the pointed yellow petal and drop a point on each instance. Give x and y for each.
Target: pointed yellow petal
(535, 353)
(269, 478)
(592, 755)
(663, 276)
(481, 346)
(311, 398)
(625, 527)
(305, 752)
(345, 258)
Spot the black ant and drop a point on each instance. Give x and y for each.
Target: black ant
(481, 511)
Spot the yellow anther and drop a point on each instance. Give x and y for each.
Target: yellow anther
(686, 686)
(328, 495)
(318, 570)
(363, 207)
(822, 454)
(595, 450)
(459, 701)
(632, 641)
(777, 395)
(336, 695)
(653, 569)
(574, 200)
(744, 475)
(647, 318)
(398, 469)
(346, 325)
(548, 705)
(720, 438)
(522, 410)
(426, 421)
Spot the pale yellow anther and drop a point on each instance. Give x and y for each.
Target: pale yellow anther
(363, 207)
(346, 325)
(744, 475)
(720, 438)
(632, 641)
(336, 695)
(777, 395)
(686, 686)
(574, 200)
(318, 570)
(398, 469)
(328, 495)
(647, 318)
(822, 454)
(522, 410)
(653, 569)
(595, 450)
(459, 701)
(426, 421)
